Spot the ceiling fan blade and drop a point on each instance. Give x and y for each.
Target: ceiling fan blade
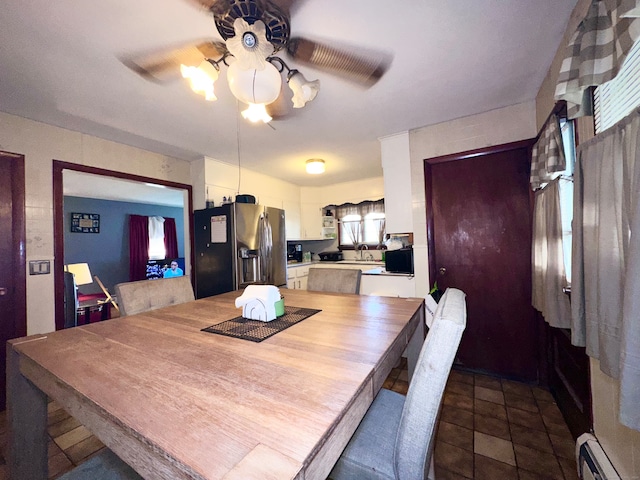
(213, 6)
(165, 66)
(289, 6)
(364, 67)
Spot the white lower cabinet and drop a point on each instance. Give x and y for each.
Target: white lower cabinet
(297, 277)
(388, 285)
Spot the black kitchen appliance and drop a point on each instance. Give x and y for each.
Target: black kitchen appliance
(399, 261)
(294, 252)
(330, 256)
(245, 198)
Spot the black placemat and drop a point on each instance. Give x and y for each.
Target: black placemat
(257, 331)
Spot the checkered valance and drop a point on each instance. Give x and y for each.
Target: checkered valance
(547, 156)
(596, 51)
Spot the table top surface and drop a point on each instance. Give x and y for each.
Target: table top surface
(214, 406)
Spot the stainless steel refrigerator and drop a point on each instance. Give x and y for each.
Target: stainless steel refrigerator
(239, 244)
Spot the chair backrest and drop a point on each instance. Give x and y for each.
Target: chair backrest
(415, 440)
(145, 295)
(336, 280)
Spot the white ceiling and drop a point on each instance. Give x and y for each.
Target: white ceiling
(87, 185)
(60, 64)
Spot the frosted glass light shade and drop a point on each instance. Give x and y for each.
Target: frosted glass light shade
(303, 90)
(201, 79)
(256, 113)
(81, 273)
(254, 86)
(315, 166)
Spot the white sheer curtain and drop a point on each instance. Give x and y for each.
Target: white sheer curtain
(605, 300)
(156, 238)
(547, 254)
(549, 276)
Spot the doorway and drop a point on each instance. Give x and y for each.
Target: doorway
(111, 178)
(13, 283)
(479, 240)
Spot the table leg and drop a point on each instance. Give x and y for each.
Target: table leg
(415, 345)
(27, 423)
(106, 311)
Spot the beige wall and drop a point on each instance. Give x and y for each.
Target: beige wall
(495, 127)
(621, 444)
(41, 144)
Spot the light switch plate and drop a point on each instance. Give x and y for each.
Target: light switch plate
(39, 267)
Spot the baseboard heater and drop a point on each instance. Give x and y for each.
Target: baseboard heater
(593, 463)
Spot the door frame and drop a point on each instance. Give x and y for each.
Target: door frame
(19, 240)
(428, 183)
(58, 221)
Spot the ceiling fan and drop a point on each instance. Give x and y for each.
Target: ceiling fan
(253, 33)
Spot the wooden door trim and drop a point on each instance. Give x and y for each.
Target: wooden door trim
(428, 182)
(58, 221)
(19, 241)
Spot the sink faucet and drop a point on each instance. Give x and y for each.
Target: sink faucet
(362, 248)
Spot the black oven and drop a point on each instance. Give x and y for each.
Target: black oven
(399, 261)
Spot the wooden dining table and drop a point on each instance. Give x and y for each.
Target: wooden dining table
(175, 402)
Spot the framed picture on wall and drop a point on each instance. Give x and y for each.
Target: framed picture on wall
(85, 222)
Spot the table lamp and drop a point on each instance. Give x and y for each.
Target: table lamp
(81, 273)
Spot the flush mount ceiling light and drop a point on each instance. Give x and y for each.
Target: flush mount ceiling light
(253, 33)
(315, 166)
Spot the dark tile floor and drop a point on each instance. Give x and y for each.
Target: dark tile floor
(489, 429)
(497, 429)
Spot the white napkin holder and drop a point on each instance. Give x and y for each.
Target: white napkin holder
(258, 302)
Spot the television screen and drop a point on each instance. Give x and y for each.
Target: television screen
(157, 268)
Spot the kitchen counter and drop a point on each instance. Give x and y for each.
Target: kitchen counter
(299, 264)
(367, 267)
(316, 263)
(382, 271)
(375, 279)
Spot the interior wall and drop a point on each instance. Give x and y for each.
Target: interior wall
(107, 252)
(496, 127)
(41, 144)
(213, 180)
(314, 199)
(621, 443)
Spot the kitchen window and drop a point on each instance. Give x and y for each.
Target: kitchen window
(360, 224)
(565, 190)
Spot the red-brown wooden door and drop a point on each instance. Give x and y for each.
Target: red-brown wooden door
(480, 242)
(12, 258)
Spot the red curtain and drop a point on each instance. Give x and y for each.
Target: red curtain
(170, 238)
(138, 247)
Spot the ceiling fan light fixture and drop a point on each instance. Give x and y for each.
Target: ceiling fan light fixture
(249, 45)
(315, 166)
(303, 90)
(201, 79)
(254, 86)
(256, 112)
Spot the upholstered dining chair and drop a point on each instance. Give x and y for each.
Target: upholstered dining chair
(106, 465)
(395, 439)
(145, 295)
(336, 280)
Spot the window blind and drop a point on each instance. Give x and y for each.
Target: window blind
(614, 100)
